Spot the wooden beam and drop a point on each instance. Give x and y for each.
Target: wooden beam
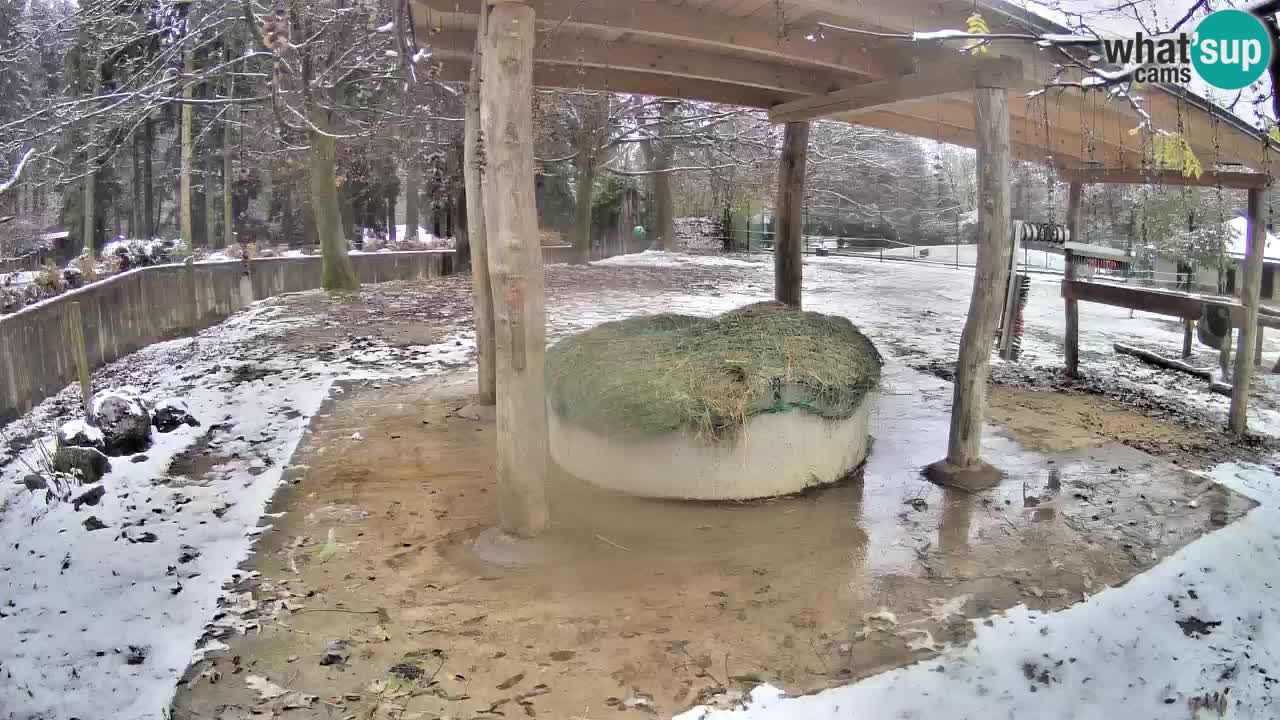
(1152, 300)
(1071, 336)
(1249, 297)
(1027, 135)
(633, 81)
(788, 255)
(1146, 176)
(677, 62)
(968, 404)
(515, 267)
(695, 28)
(481, 288)
(960, 74)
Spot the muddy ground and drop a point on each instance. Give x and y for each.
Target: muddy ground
(636, 608)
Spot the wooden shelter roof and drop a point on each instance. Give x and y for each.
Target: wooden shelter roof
(764, 53)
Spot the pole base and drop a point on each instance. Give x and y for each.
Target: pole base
(977, 476)
(510, 552)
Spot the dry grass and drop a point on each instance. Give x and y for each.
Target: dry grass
(652, 375)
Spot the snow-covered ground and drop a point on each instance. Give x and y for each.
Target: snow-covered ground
(100, 622)
(103, 622)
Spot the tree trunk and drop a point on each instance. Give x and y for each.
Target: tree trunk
(515, 265)
(411, 222)
(391, 216)
(973, 365)
(788, 252)
(184, 182)
(136, 222)
(1071, 337)
(228, 177)
(664, 212)
(472, 171)
(210, 197)
(1250, 289)
(88, 226)
(148, 186)
(339, 274)
(347, 213)
(585, 176)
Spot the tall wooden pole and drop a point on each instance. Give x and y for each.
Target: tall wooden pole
(963, 466)
(1071, 337)
(515, 267)
(788, 251)
(472, 171)
(1249, 292)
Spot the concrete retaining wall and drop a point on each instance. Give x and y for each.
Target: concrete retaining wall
(132, 310)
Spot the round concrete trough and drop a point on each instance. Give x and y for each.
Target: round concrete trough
(772, 454)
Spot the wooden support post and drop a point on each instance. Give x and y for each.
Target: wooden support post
(963, 466)
(1071, 335)
(75, 329)
(515, 267)
(1188, 331)
(788, 251)
(1250, 289)
(472, 171)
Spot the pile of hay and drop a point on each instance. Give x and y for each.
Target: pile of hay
(652, 375)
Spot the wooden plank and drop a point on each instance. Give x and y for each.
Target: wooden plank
(457, 69)
(1157, 360)
(481, 287)
(935, 79)
(974, 361)
(788, 256)
(697, 28)
(1249, 292)
(515, 267)
(75, 321)
(672, 61)
(1071, 336)
(1144, 176)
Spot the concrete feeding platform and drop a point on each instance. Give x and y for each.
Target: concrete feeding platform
(772, 454)
(651, 605)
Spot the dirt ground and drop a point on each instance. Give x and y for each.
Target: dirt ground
(630, 607)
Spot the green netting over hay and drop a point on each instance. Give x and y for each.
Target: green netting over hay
(652, 375)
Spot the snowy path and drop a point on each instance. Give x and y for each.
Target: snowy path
(102, 623)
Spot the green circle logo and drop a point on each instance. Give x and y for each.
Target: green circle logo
(1231, 49)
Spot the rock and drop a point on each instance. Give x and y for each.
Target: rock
(172, 413)
(334, 653)
(89, 464)
(78, 433)
(92, 523)
(89, 497)
(124, 421)
(34, 482)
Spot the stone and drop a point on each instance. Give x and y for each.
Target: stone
(92, 523)
(124, 421)
(78, 433)
(89, 464)
(34, 482)
(172, 413)
(89, 497)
